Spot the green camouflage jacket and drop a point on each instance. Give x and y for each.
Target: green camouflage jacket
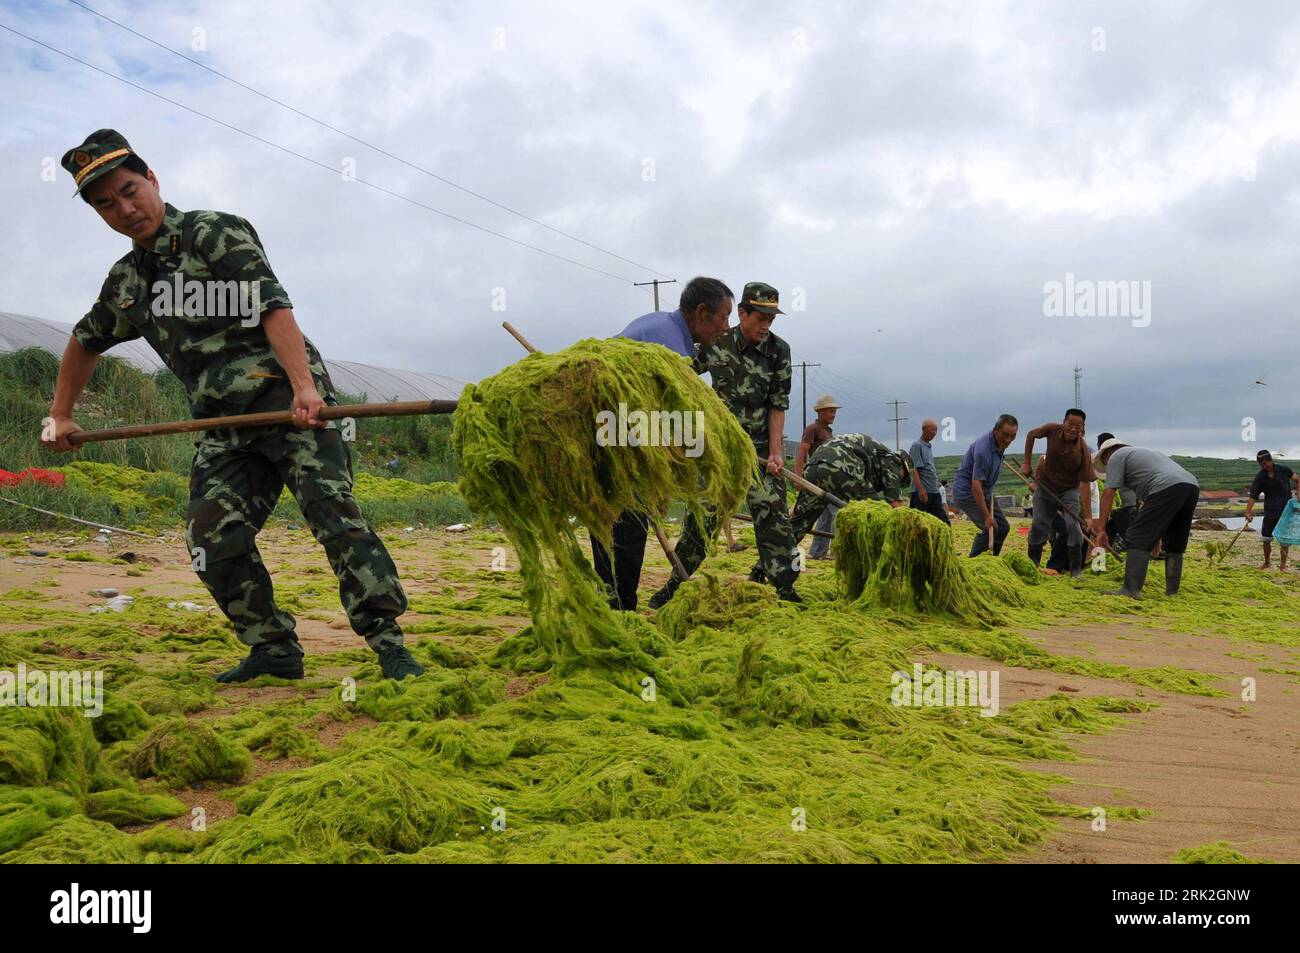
(864, 459)
(223, 357)
(750, 379)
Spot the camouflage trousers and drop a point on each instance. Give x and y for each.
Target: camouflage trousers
(808, 507)
(767, 506)
(234, 485)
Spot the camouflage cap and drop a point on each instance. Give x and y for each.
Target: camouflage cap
(761, 297)
(103, 151)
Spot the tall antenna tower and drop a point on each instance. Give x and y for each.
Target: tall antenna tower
(1078, 388)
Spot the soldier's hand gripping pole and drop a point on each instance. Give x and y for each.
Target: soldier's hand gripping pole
(268, 418)
(674, 560)
(802, 484)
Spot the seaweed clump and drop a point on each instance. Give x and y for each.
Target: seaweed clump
(527, 443)
(180, 752)
(904, 559)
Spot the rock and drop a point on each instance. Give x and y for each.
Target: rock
(190, 606)
(105, 593)
(39, 552)
(458, 527)
(101, 538)
(1206, 523)
(116, 604)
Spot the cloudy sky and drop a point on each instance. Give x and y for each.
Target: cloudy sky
(912, 175)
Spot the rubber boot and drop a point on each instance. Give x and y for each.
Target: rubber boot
(1135, 574)
(757, 574)
(661, 598)
(1036, 553)
(1076, 561)
(281, 658)
(1173, 573)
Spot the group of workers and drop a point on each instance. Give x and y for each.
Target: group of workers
(751, 372)
(240, 366)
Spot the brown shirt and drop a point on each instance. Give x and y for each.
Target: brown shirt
(815, 434)
(1065, 465)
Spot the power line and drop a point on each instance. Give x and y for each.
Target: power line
(849, 382)
(833, 386)
(360, 141)
(317, 162)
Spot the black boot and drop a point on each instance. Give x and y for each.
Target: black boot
(281, 658)
(1135, 574)
(789, 595)
(661, 598)
(757, 575)
(396, 662)
(1036, 553)
(1076, 561)
(1173, 573)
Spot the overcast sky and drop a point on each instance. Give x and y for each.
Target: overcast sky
(914, 173)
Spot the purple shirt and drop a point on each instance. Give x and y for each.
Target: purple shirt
(982, 461)
(663, 327)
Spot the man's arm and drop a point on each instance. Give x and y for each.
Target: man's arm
(1036, 434)
(799, 460)
(1251, 496)
(74, 371)
(1099, 525)
(290, 349)
(775, 434)
(916, 473)
(977, 489)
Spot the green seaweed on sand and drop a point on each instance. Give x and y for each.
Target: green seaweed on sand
(180, 752)
(526, 441)
(704, 601)
(1220, 852)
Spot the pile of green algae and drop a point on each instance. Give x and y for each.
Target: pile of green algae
(729, 727)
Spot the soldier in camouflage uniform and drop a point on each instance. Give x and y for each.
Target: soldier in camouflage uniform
(750, 367)
(231, 338)
(852, 466)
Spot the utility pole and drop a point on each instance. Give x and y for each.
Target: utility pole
(657, 282)
(898, 437)
(804, 365)
(1078, 389)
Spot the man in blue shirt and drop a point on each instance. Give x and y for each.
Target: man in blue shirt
(701, 317)
(926, 494)
(972, 487)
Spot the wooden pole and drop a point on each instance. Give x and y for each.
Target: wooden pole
(266, 419)
(803, 484)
